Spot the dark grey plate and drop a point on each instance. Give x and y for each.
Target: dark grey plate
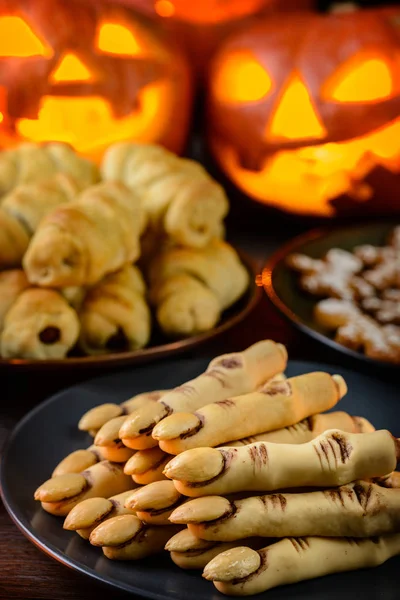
(49, 432)
(281, 282)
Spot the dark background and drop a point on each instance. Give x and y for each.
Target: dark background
(324, 4)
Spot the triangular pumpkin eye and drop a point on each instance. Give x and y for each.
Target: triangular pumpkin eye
(361, 79)
(296, 117)
(117, 39)
(17, 39)
(70, 69)
(240, 78)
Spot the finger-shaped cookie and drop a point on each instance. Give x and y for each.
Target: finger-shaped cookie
(98, 416)
(243, 571)
(147, 466)
(334, 458)
(79, 460)
(276, 406)
(359, 509)
(189, 552)
(60, 494)
(226, 375)
(127, 538)
(310, 428)
(389, 481)
(107, 438)
(155, 502)
(88, 514)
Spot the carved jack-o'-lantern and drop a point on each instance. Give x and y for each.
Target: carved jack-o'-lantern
(202, 24)
(304, 112)
(89, 75)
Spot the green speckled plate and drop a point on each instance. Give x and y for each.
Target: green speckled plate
(281, 283)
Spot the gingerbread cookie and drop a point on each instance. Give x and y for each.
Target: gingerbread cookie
(360, 295)
(328, 277)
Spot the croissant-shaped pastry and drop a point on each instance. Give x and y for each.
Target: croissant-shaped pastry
(185, 306)
(180, 199)
(12, 284)
(191, 287)
(114, 315)
(39, 325)
(74, 296)
(193, 207)
(29, 163)
(80, 242)
(22, 210)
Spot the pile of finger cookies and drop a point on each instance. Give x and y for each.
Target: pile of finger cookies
(240, 472)
(359, 295)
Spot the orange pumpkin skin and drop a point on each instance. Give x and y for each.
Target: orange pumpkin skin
(303, 110)
(201, 25)
(89, 74)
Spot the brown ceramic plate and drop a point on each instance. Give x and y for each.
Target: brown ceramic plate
(160, 346)
(281, 283)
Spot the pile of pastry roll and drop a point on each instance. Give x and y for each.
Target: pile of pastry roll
(298, 494)
(88, 254)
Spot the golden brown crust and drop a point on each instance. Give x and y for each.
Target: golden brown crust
(182, 202)
(68, 247)
(114, 315)
(39, 325)
(12, 284)
(30, 163)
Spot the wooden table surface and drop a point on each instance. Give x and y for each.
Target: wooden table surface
(25, 572)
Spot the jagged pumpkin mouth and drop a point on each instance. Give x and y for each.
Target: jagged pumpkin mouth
(306, 179)
(88, 123)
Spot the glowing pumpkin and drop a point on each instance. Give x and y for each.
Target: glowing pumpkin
(202, 24)
(304, 113)
(89, 75)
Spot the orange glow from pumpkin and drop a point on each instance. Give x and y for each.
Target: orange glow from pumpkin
(210, 11)
(360, 80)
(71, 68)
(117, 39)
(18, 39)
(296, 118)
(88, 123)
(241, 78)
(164, 8)
(3, 103)
(304, 180)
